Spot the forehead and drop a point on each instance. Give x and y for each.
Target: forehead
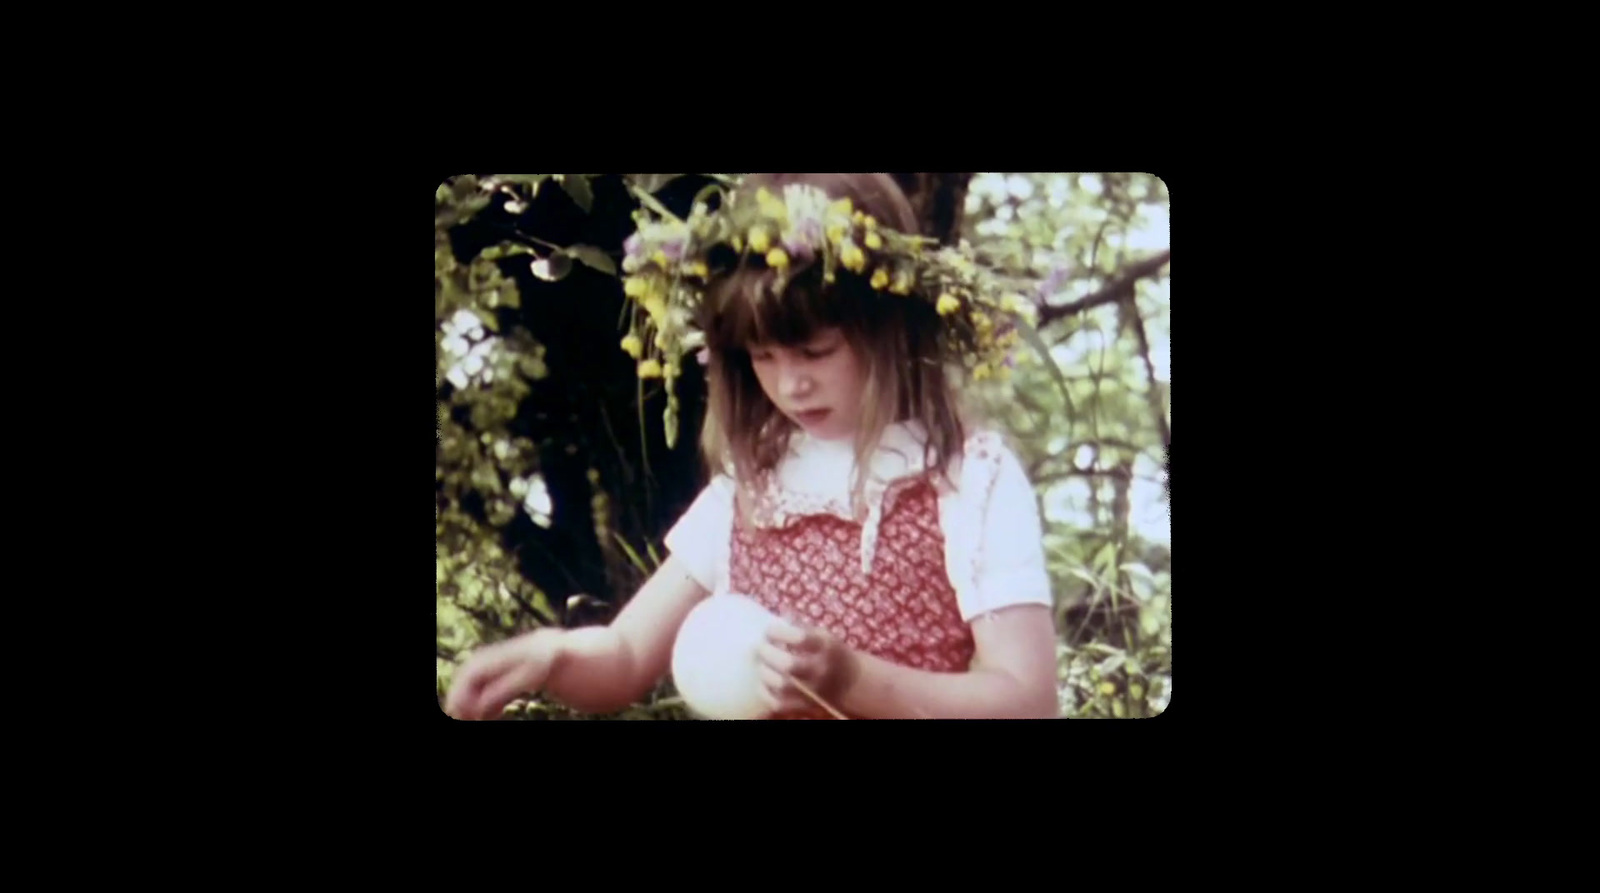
(819, 335)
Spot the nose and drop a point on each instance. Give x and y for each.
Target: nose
(793, 380)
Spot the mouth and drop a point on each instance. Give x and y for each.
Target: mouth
(812, 417)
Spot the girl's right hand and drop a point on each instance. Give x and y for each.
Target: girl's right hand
(494, 676)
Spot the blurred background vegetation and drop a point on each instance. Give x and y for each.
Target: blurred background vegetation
(554, 484)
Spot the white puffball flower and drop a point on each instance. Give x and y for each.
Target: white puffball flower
(462, 322)
(537, 501)
(714, 662)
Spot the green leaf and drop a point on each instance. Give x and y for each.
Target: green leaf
(1106, 558)
(1031, 335)
(632, 555)
(1142, 581)
(510, 296)
(532, 181)
(578, 187)
(542, 606)
(653, 183)
(553, 268)
(593, 257)
(1085, 576)
(649, 201)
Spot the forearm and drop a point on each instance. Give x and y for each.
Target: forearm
(592, 670)
(882, 690)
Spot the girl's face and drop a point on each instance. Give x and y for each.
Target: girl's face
(818, 384)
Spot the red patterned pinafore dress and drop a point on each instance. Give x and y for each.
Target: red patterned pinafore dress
(808, 566)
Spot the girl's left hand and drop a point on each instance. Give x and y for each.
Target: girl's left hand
(817, 660)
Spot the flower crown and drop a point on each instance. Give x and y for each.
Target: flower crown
(667, 264)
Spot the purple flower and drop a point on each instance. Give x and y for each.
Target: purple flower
(1058, 276)
(673, 249)
(704, 356)
(797, 248)
(803, 238)
(633, 246)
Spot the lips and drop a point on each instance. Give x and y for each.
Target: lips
(811, 417)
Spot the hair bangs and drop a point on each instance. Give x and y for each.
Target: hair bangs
(749, 307)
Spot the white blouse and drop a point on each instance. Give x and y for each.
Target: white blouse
(993, 538)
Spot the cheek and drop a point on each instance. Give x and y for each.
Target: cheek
(847, 378)
(764, 377)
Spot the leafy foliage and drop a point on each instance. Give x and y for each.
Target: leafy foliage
(549, 478)
(1095, 449)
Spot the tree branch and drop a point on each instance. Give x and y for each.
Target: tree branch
(1120, 287)
(1116, 473)
(1150, 367)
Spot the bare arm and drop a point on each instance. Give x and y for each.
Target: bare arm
(605, 669)
(599, 669)
(1013, 674)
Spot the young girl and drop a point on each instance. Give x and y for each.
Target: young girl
(903, 550)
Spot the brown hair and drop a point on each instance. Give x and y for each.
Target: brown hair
(896, 338)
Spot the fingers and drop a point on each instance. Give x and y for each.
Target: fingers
(492, 702)
(479, 691)
(779, 695)
(777, 659)
(796, 638)
(467, 688)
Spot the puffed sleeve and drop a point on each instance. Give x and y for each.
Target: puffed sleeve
(701, 537)
(994, 536)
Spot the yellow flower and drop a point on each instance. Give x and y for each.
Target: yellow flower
(1108, 688)
(759, 240)
(948, 305)
(873, 241)
(771, 205)
(660, 257)
(980, 372)
(696, 268)
(835, 233)
(982, 321)
(738, 243)
(1010, 303)
(841, 207)
(650, 368)
(870, 223)
(673, 371)
(902, 283)
(661, 340)
(632, 346)
(880, 278)
(777, 258)
(854, 258)
(858, 217)
(634, 286)
(656, 306)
